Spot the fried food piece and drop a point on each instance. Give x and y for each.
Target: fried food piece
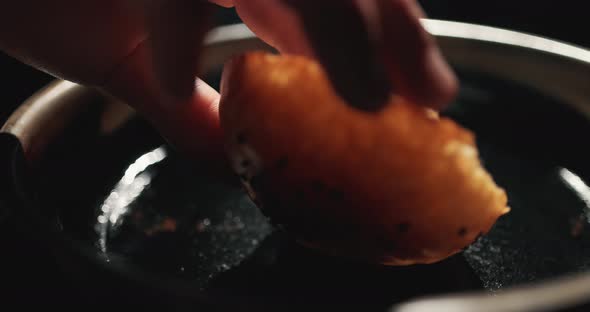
(400, 186)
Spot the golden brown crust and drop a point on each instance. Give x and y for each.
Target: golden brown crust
(401, 186)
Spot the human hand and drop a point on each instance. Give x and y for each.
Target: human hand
(147, 53)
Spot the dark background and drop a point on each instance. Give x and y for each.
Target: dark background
(24, 272)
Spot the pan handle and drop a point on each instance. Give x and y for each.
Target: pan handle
(29, 131)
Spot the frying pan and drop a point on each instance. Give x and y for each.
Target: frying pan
(134, 224)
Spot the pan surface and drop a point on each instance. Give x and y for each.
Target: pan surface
(127, 200)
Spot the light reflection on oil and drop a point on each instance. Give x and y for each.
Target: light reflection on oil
(126, 191)
(576, 184)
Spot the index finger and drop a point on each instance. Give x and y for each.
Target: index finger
(344, 45)
(358, 41)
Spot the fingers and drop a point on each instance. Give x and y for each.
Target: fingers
(191, 125)
(387, 38)
(370, 48)
(352, 67)
(177, 28)
(103, 43)
(413, 60)
(70, 39)
(343, 44)
(274, 23)
(159, 80)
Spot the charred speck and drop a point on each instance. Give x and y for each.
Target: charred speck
(462, 231)
(282, 163)
(241, 138)
(403, 227)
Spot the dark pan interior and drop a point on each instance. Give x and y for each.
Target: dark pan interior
(180, 224)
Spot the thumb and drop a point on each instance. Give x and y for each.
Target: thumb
(177, 29)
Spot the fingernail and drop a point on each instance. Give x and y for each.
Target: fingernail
(342, 44)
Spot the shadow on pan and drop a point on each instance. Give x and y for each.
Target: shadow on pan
(150, 231)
